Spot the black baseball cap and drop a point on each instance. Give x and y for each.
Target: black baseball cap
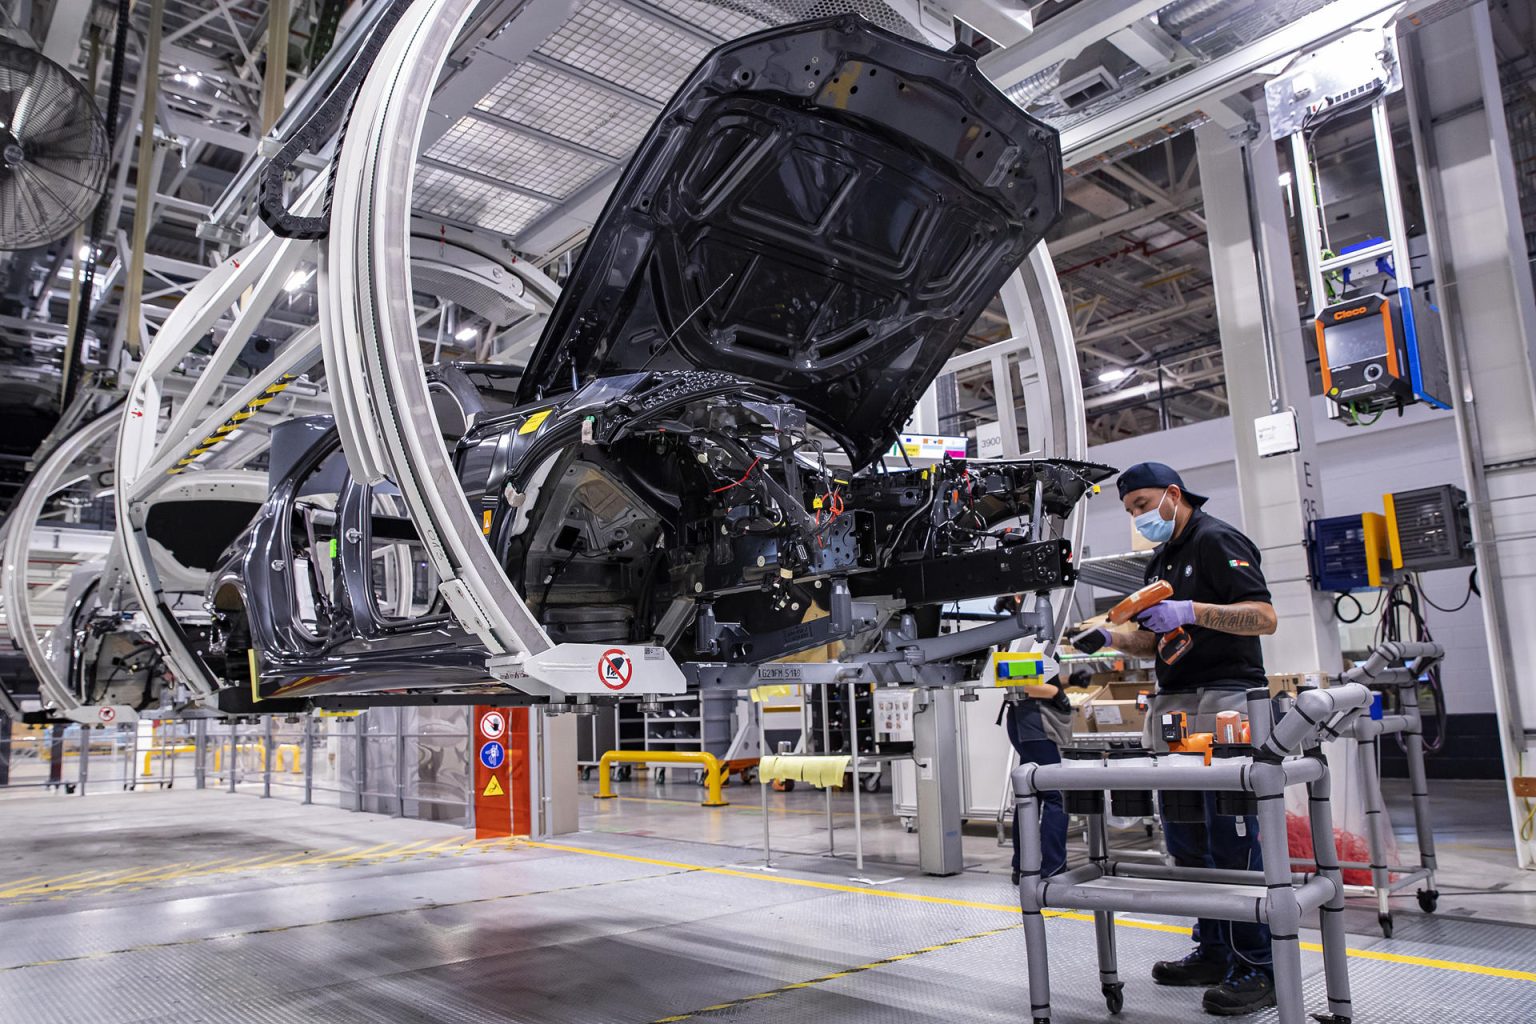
(1155, 474)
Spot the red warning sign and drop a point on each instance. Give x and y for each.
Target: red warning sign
(615, 669)
(491, 756)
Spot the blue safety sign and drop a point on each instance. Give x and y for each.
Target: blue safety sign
(492, 755)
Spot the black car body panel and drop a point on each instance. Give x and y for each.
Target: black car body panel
(823, 209)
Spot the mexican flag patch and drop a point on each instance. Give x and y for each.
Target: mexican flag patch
(1237, 563)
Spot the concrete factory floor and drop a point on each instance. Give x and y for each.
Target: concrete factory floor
(199, 906)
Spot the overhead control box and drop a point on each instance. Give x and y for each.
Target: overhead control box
(1375, 352)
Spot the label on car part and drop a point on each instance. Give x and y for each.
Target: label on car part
(794, 673)
(655, 654)
(534, 422)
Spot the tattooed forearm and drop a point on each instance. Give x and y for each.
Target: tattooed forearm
(1139, 644)
(1251, 618)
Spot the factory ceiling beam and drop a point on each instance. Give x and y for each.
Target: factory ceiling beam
(1117, 328)
(1063, 37)
(490, 61)
(1212, 82)
(1139, 217)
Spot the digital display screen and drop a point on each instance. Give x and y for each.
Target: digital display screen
(1355, 341)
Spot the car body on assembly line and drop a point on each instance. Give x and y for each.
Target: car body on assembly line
(692, 458)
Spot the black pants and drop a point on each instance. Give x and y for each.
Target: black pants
(1027, 734)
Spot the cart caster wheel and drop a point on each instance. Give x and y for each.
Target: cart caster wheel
(586, 775)
(1386, 925)
(872, 784)
(626, 772)
(1429, 899)
(699, 778)
(908, 825)
(1114, 996)
(69, 787)
(660, 775)
(749, 777)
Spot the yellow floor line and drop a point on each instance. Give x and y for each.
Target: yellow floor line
(398, 851)
(837, 975)
(888, 894)
(326, 858)
(749, 808)
(166, 873)
(81, 881)
(19, 889)
(65, 883)
(438, 847)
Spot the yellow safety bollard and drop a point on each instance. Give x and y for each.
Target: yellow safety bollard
(162, 752)
(713, 777)
(218, 754)
(293, 762)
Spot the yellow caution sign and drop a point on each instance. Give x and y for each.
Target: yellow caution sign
(493, 788)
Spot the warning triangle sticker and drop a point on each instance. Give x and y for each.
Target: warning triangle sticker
(493, 788)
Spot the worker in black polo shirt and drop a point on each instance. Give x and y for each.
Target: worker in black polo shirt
(1221, 600)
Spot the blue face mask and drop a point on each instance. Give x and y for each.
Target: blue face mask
(1153, 526)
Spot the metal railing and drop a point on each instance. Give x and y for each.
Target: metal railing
(407, 762)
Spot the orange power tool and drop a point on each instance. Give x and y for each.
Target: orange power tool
(1170, 646)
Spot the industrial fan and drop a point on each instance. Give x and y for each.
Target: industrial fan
(53, 150)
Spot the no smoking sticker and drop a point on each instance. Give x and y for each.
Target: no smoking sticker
(615, 669)
(492, 725)
(108, 714)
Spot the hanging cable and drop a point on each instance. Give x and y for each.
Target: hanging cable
(99, 218)
(1403, 599)
(1471, 590)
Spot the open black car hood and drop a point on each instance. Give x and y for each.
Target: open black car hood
(823, 209)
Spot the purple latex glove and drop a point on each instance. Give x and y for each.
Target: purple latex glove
(1090, 641)
(1167, 616)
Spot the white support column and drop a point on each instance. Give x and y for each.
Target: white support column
(1483, 278)
(1277, 495)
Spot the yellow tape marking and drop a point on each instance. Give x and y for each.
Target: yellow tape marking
(912, 897)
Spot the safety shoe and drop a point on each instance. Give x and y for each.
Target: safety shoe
(1245, 989)
(1198, 969)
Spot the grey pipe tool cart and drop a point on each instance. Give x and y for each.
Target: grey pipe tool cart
(1284, 751)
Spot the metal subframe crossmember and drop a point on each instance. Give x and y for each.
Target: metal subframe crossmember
(1274, 896)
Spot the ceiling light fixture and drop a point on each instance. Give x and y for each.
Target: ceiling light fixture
(1113, 375)
(296, 280)
(466, 334)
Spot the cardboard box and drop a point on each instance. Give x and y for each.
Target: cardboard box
(1116, 706)
(1290, 682)
(1081, 698)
